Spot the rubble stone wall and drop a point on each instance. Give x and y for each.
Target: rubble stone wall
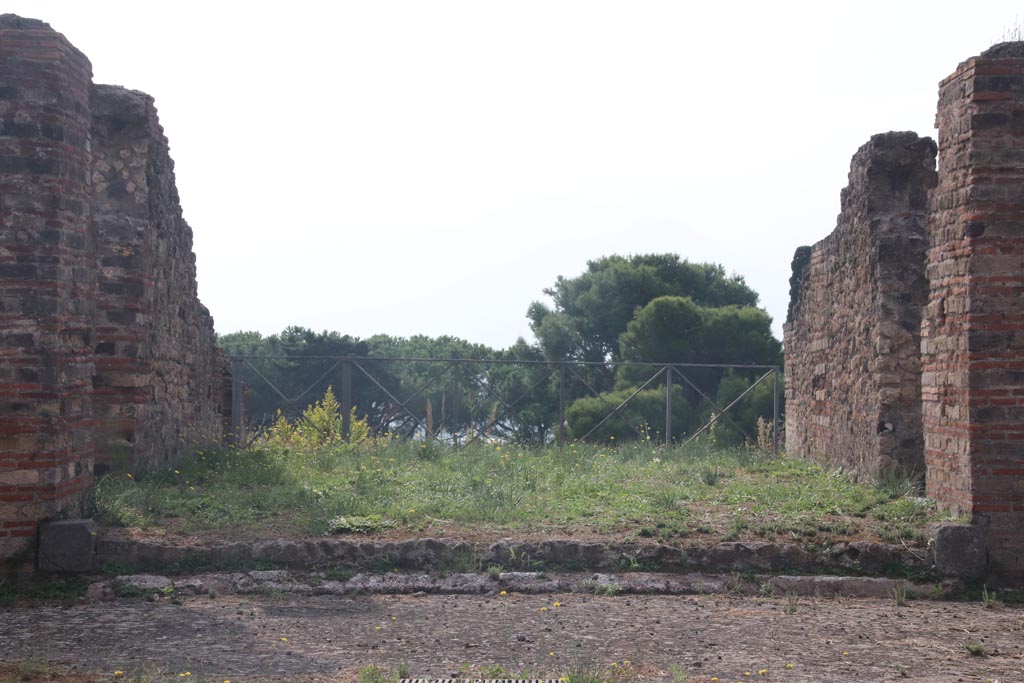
(973, 329)
(159, 374)
(106, 353)
(852, 340)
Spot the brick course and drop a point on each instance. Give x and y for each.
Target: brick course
(973, 329)
(47, 280)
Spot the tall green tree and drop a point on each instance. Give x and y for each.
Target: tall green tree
(591, 310)
(674, 329)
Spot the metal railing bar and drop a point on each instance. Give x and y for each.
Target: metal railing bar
(597, 395)
(734, 402)
(511, 406)
(430, 381)
(505, 361)
(621, 405)
(293, 401)
(713, 404)
(389, 394)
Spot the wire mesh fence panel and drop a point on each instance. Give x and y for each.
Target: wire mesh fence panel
(459, 401)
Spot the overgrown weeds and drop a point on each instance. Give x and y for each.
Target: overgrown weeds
(302, 481)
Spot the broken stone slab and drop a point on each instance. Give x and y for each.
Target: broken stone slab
(67, 545)
(959, 550)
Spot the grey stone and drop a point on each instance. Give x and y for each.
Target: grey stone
(144, 582)
(67, 545)
(959, 550)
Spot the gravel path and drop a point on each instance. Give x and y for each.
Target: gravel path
(330, 638)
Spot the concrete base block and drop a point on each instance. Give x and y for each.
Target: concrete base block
(960, 550)
(67, 545)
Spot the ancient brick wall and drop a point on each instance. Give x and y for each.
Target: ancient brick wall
(47, 280)
(106, 353)
(852, 339)
(158, 373)
(973, 329)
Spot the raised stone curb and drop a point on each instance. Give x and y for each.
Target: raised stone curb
(530, 583)
(861, 558)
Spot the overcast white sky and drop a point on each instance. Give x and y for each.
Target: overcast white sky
(429, 167)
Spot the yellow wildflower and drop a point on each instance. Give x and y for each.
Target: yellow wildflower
(503, 593)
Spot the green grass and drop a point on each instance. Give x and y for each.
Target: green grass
(636, 490)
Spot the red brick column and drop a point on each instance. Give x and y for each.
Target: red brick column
(47, 276)
(973, 327)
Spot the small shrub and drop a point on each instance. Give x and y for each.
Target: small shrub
(975, 648)
(709, 476)
(989, 599)
(899, 595)
(898, 482)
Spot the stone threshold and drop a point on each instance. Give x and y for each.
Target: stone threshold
(506, 585)
(443, 554)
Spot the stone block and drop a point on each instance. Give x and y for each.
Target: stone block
(959, 550)
(67, 545)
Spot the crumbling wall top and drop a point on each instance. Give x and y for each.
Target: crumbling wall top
(1009, 50)
(120, 102)
(22, 23)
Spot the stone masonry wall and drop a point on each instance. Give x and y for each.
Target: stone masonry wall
(47, 280)
(852, 339)
(973, 329)
(158, 377)
(106, 353)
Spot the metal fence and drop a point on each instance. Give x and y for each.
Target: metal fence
(461, 400)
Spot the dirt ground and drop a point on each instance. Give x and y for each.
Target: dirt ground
(708, 638)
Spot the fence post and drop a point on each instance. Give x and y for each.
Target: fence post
(561, 405)
(346, 400)
(237, 403)
(775, 411)
(456, 405)
(668, 405)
